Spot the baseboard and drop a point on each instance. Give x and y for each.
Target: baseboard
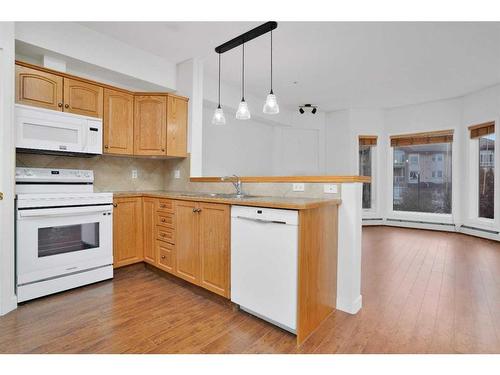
(353, 307)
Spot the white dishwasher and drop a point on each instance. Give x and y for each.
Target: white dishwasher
(264, 250)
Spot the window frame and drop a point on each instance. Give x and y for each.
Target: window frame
(421, 216)
(373, 211)
(473, 218)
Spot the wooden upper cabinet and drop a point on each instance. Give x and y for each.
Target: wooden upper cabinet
(149, 216)
(186, 242)
(118, 122)
(83, 98)
(39, 89)
(127, 231)
(177, 121)
(150, 125)
(214, 233)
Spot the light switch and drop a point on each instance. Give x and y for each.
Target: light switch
(134, 173)
(177, 173)
(330, 188)
(298, 187)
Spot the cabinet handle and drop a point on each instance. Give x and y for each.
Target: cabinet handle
(59, 105)
(66, 106)
(115, 204)
(162, 150)
(163, 257)
(105, 146)
(163, 220)
(196, 209)
(162, 206)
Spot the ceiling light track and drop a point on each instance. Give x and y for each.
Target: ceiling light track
(246, 37)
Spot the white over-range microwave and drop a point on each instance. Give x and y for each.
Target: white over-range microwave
(47, 131)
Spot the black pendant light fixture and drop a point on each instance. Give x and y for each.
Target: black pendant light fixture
(218, 117)
(243, 113)
(271, 105)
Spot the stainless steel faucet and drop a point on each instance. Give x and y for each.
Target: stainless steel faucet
(236, 181)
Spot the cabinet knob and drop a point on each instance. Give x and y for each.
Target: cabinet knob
(66, 106)
(163, 257)
(163, 220)
(115, 204)
(163, 150)
(105, 146)
(59, 105)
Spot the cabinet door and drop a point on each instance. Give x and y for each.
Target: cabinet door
(177, 120)
(127, 231)
(149, 215)
(214, 247)
(186, 242)
(150, 125)
(38, 88)
(118, 122)
(83, 98)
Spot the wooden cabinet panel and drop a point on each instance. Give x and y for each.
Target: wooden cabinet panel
(186, 242)
(148, 217)
(118, 122)
(150, 125)
(83, 98)
(165, 256)
(165, 219)
(214, 247)
(165, 234)
(38, 88)
(165, 205)
(177, 121)
(127, 231)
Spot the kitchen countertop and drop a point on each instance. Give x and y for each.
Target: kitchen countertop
(292, 203)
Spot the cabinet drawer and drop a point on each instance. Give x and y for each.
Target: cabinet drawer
(165, 254)
(165, 205)
(165, 234)
(165, 219)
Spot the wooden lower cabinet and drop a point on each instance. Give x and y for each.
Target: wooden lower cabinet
(165, 253)
(127, 231)
(149, 222)
(214, 247)
(187, 243)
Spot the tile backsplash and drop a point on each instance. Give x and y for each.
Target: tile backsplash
(111, 173)
(114, 173)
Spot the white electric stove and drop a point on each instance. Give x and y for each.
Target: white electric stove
(64, 231)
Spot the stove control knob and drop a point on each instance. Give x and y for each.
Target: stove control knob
(29, 172)
(78, 174)
(86, 174)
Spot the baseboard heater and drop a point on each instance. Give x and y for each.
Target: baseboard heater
(373, 219)
(420, 222)
(480, 229)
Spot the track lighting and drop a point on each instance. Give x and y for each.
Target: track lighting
(271, 105)
(313, 108)
(219, 118)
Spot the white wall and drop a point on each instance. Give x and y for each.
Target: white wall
(76, 41)
(7, 161)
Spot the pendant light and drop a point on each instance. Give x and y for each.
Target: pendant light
(271, 105)
(243, 113)
(219, 118)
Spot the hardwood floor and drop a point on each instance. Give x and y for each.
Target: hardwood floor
(423, 292)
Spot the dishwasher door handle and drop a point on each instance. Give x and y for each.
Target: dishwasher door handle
(263, 221)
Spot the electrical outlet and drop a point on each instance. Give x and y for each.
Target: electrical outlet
(298, 187)
(134, 173)
(330, 188)
(177, 173)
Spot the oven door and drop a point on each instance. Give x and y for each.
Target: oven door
(52, 242)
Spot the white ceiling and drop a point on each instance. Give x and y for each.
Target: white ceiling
(336, 65)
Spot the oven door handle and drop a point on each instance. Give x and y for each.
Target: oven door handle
(64, 211)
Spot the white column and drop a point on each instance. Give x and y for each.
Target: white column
(349, 249)
(8, 300)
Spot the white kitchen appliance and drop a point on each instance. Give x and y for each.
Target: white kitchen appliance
(264, 250)
(63, 231)
(47, 131)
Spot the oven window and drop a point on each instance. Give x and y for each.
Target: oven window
(67, 238)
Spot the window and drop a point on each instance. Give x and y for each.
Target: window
(485, 135)
(366, 144)
(486, 176)
(423, 182)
